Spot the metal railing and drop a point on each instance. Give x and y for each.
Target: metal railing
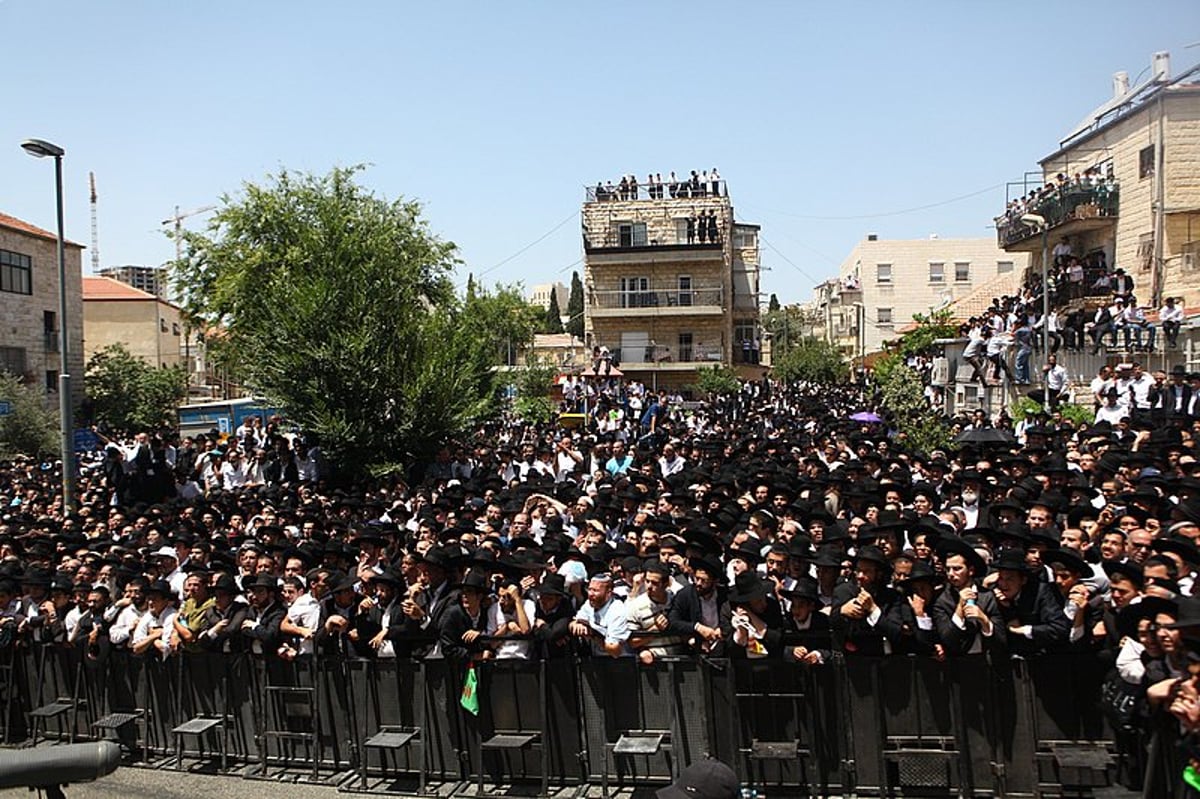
(682, 189)
(658, 298)
(1057, 206)
(664, 353)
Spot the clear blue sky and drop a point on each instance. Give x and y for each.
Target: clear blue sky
(495, 115)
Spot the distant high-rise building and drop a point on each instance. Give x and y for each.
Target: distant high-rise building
(150, 279)
(540, 295)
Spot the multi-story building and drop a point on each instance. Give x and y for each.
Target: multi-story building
(671, 282)
(149, 327)
(150, 279)
(540, 295)
(29, 306)
(883, 282)
(1122, 190)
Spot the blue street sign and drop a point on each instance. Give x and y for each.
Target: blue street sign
(85, 441)
(5, 407)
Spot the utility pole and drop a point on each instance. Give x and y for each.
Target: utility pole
(95, 227)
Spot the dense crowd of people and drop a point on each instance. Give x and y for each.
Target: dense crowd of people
(765, 524)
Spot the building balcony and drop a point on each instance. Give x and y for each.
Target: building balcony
(681, 190)
(1069, 210)
(704, 301)
(661, 357)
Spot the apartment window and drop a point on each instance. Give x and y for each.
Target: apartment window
(685, 347)
(16, 273)
(50, 330)
(937, 272)
(747, 240)
(1146, 162)
(1003, 266)
(631, 234)
(635, 292)
(685, 291)
(174, 328)
(883, 273)
(962, 271)
(12, 360)
(51, 380)
(883, 316)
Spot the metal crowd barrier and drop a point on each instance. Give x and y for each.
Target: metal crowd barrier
(895, 725)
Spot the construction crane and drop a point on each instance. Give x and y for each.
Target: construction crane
(95, 227)
(177, 221)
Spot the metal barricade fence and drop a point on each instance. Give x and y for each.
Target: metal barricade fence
(868, 726)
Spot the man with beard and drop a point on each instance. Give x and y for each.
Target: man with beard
(381, 625)
(602, 620)
(153, 630)
(261, 628)
(699, 608)
(510, 617)
(868, 617)
(223, 621)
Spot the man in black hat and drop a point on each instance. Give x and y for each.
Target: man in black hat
(381, 626)
(154, 628)
(465, 624)
(806, 633)
(966, 618)
(648, 614)
(1034, 619)
(868, 617)
(261, 627)
(552, 620)
(223, 621)
(756, 617)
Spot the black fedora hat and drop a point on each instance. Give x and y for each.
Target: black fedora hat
(1068, 560)
(747, 587)
(830, 557)
(474, 581)
(804, 588)
(953, 545)
(710, 565)
(225, 583)
(388, 577)
(266, 581)
(160, 587)
(1125, 568)
(1187, 614)
(1011, 560)
(873, 554)
(554, 585)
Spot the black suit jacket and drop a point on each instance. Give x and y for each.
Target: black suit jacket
(1037, 606)
(455, 623)
(684, 615)
(858, 636)
(959, 640)
(267, 633)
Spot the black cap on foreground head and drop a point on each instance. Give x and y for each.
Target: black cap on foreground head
(705, 779)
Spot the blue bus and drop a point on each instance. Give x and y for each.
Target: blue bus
(224, 416)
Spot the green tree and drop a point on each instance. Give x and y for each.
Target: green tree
(904, 397)
(502, 321)
(126, 394)
(717, 379)
(773, 305)
(812, 359)
(30, 428)
(535, 386)
(553, 322)
(575, 307)
(341, 307)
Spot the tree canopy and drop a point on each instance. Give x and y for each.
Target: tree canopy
(126, 394)
(811, 359)
(575, 307)
(340, 307)
(30, 427)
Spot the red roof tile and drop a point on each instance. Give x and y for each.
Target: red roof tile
(105, 288)
(13, 223)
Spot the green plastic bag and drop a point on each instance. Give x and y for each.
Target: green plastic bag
(470, 696)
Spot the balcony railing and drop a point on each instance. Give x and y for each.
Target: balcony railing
(680, 190)
(673, 298)
(667, 354)
(1058, 205)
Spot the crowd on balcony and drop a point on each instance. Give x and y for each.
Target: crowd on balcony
(1060, 198)
(696, 185)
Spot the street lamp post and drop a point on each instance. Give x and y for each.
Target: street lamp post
(1040, 221)
(44, 149)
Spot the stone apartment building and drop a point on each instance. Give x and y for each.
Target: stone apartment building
(883, 282)
(29, 306)
(671, 282)
(148, 326)
(1130, 187)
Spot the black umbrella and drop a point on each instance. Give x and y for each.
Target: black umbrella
(984, 435)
